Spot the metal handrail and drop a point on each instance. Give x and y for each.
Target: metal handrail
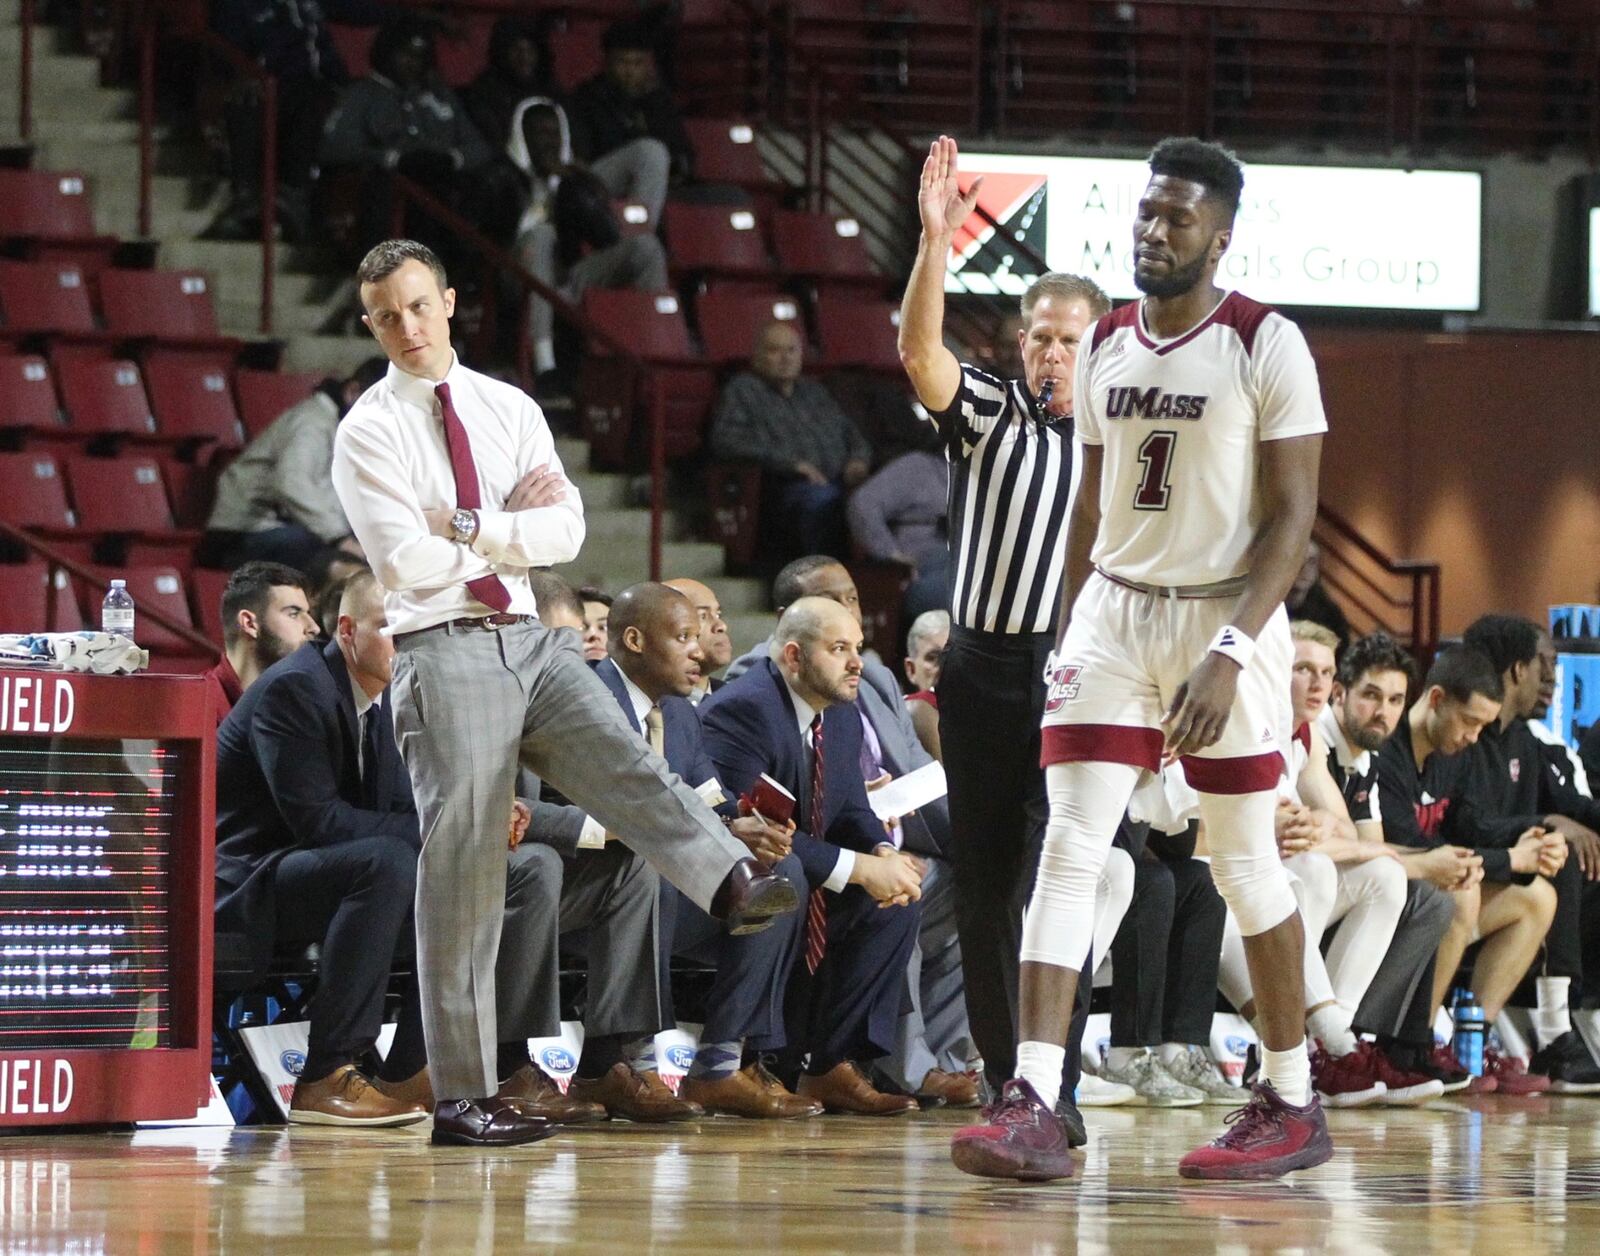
(25, 73)
(1424, 577)
(57, 560)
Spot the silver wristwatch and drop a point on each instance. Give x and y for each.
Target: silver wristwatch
(463, 523)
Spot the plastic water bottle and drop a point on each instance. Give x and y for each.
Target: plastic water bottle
(116, 612)
(1470, 1030)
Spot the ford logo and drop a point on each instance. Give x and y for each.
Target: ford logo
(1237, 1045)
(558, 1059)
(293, 1062)
(680, 1058)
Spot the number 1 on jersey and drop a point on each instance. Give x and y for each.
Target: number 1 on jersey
(1156, 457)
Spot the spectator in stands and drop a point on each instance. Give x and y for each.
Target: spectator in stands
(653, 663)
(317, 841)
(716, 646)
(290, 40)
(898, 516)
(401, 118)
(625, 126)
(518, 67)
(811, 454)
(792, 719)
(1421, 771)
(568, 236)
(1511, 790)
(596, 612)
(1309, 598)
(276, 501)
(266, 616)
(925, 643)
(1365, 706)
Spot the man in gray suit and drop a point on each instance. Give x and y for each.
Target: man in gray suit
(452, 484)
(934, 1049)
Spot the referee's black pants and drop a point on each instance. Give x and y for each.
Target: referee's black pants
(991, 699)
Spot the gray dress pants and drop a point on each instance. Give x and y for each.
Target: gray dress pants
(471, 705)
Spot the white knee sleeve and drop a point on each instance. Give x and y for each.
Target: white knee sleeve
(1244, 859)
(1314, 881)
(1111, 898)
(1086, 802)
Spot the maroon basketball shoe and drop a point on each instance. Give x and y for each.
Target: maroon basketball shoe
(1265, 1139)
(1511, 1075)
(1346, 1081)
(1441, 1063)
(1020, 1138)
(1405, 1088)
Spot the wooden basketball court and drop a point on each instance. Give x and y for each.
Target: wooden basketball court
(1489, 1175)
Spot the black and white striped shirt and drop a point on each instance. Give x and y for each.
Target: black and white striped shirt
(1010, 483)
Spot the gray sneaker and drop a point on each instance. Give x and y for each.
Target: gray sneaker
(1155, 1087)
(1195, 1069)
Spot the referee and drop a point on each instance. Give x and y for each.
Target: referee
(1009, 445)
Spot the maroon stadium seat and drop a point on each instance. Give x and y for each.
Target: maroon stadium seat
(730, 321)
(170, 306)
(858, 333)
(25, 600)
(192, 401)
(44, 297)
(264, 395)
(822, 247)
(575, 52)
(633, 217)
(33, 495)
(192, 488)
(105, 397)
(651, 324)
(715, 240)
(50, 215)
(725, 152)
(27, 397)
(205, 600)
(124, 496)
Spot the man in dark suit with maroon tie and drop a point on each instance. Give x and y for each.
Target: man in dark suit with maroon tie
(793, 718)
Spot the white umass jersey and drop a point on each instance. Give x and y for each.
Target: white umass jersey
(1180, 421)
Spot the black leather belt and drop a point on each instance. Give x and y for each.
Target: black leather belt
(484, 623)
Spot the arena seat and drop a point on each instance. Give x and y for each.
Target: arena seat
(714, 240)
(168, 306)
(651, 324)
(104, 398)
(575, 51)
(633, 217)
(26, 604)
(264, 395)
(28, 404)
(725, 152)
(192, 402)
(192, 489)
(50, 214)
(33, 495)
(462, 51)
(354, 46)
(730, 321)
(823, 248)
(858, 333)
(44, 297)
(205, 600)
(125, 496)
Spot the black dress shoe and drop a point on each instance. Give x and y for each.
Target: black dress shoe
(751, 896)
(492, 1122)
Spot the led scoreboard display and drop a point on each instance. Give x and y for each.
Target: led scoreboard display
(106, 821)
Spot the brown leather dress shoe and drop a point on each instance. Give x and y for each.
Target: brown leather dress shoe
(346, 1097)
(957, 1090)
(629, 1095)
(845, 1088)
(750, 896)
(416, 1090)
(751, 1092)
(492, 1122)
(537, 1094)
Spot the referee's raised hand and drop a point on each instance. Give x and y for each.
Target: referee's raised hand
(939, 197)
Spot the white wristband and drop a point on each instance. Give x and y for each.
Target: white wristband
(1233, 644)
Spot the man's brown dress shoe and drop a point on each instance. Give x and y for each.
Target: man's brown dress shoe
(845, 1088)
(537, 1094)
(750, 896)
(629, 1095)
(958, 1090)
(416, 1090)
(751, 1092)
(346, 1097)
(492, 1122)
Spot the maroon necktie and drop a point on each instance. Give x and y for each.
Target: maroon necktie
(817, 905)
(487, 589)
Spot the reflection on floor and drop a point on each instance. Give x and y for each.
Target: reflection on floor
(1508, 1176)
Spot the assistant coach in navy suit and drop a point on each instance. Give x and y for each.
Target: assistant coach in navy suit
(655, 661)
(794, 718)
(317, 841)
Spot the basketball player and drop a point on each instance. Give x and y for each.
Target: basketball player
(1201, 427)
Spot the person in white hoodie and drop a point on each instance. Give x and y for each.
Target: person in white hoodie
(569, 236)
